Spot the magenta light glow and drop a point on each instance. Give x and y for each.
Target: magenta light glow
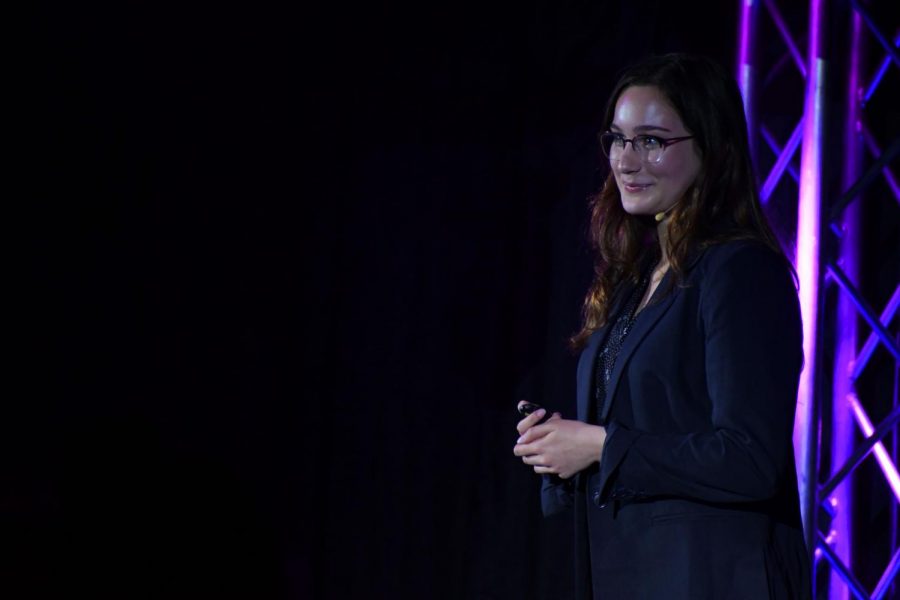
(745, 67)
(807, 263)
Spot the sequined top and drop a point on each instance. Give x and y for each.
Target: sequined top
(612, 345)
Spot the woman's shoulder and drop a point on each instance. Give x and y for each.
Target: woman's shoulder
(743, 253)
(746, 266)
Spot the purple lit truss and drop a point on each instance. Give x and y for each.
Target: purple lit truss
(820, 224)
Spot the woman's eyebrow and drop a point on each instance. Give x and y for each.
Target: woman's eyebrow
(642, 128)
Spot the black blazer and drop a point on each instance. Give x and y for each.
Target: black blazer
(695, 494)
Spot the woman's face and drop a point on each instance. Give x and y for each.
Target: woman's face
(647, 189)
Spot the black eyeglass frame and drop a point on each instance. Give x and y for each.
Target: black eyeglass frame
(664, 142)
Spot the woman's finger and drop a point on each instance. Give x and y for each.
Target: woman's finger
(534, 459)
(530, 421)
(524, 450)
(537, 432)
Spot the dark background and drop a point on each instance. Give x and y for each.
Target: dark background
(294, 267)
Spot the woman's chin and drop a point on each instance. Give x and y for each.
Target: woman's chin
(637, 210)
(642, 207)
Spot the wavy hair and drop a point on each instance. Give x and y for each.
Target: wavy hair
(722, 204)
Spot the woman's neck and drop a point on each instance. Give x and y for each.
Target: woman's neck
(662, 234)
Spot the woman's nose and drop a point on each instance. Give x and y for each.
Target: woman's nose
(629, 161)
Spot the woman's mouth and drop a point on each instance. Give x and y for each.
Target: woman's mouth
(634, 188)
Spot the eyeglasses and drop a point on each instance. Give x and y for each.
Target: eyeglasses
(649, 148)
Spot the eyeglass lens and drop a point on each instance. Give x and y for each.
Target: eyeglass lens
(647, 147)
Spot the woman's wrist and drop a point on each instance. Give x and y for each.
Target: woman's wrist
(599, 438)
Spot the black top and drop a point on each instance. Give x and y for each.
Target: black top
(609, 350)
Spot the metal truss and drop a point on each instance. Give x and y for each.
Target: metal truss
(832, 418)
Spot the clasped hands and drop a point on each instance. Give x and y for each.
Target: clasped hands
(559, 446)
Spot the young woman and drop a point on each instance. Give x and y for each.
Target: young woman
(680, 466)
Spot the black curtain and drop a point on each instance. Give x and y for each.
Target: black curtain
(291, 269)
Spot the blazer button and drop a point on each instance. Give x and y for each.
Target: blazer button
(596, 499)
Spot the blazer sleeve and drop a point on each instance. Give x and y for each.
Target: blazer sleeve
(753, 356)
(556, 494)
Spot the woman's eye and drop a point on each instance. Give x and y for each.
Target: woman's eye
(650, 142)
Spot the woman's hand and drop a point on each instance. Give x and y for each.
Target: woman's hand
(530, 420)
(559, 446)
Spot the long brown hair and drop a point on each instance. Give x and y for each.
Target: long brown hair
(722, 204)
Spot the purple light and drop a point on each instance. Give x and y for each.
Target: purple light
(872, 342)
(746, 74)
(881, 454)
(745, 68)
(845, 326)
(783, 161)
(786, 36)
(872, 145)
(776, 150)
(807, 263)
(880, 73)
(884, 584)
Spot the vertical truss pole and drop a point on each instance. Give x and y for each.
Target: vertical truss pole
(747, 71)
(895, 518)
(845, 322)
(808, 238)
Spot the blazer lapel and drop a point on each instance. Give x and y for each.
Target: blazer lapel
(647, 319)
(645, 322)
(585, 373)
